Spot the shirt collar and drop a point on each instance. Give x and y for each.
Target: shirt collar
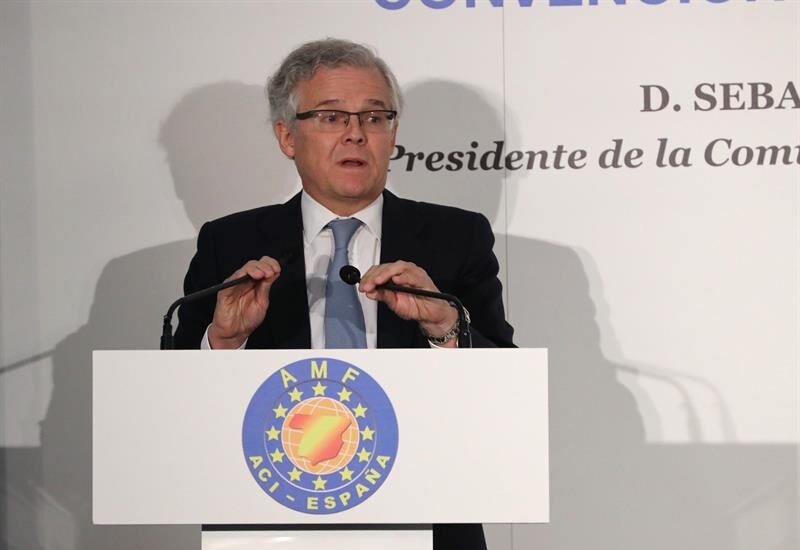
(316, 216)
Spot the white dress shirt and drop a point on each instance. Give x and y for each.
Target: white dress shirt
(363, 252)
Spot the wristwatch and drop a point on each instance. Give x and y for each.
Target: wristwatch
(450, 334)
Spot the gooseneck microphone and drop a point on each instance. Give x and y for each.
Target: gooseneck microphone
(166, 330)
(351, 275)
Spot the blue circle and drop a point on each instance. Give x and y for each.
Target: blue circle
(328, 493)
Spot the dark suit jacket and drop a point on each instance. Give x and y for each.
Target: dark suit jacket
(453, 246)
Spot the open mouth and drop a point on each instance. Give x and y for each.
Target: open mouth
(353, 163)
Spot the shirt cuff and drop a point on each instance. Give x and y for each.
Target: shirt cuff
(434, 346)
(205, 344)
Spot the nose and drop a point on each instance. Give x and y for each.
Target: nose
(353, 132)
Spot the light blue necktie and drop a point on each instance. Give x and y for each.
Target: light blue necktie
(344, 319)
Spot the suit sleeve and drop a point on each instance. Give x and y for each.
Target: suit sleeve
(194, 317)
(481, 291)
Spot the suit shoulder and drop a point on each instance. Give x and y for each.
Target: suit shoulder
(264, 217)
(243, 218)
(439, 213)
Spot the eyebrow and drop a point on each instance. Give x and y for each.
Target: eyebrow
(335, 102)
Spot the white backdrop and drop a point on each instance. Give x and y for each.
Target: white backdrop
(667, 296)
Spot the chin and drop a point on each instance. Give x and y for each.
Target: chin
(360, 190)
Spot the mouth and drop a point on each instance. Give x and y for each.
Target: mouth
(352, 163)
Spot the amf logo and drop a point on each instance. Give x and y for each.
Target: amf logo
(441, 4)
(320, 436)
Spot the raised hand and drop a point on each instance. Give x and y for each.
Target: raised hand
(436, 317)
(241, 309)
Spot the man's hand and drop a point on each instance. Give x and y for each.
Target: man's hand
(241, 309)
(435, 317)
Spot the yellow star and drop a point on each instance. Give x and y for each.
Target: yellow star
(363, 455)
(366, 433)
(272, 433)
(344, 395)
(319, 483)
(277, 456)
(280, 412)
(294, 475)
(295, 395)
(359, 410)
(319, 389)
(347, 474)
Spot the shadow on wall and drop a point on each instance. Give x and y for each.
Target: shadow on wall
(223, 158)
(609, 489)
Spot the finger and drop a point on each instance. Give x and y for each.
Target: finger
(380, 274)
(251, 270)
(388, 297)
(258, 270)
(400, 273)
(265, 268)
(260, 287)
(262, 293)
(367, 282)
(414, 277)
(242, 271)
(272, 263)
(391, 269)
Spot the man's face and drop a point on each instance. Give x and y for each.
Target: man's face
(344, 170)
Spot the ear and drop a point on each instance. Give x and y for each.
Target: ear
(285, 135)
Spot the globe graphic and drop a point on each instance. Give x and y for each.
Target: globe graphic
(291, 438)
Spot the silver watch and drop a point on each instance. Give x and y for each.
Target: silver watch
(450, 334)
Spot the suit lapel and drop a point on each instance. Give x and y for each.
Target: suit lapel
(400, 240)
(286, 325)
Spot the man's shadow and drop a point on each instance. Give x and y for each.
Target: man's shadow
(608, 488)
(222, 158)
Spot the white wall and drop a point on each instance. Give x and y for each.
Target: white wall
(668, 296)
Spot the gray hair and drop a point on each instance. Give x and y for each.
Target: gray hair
(301, 64)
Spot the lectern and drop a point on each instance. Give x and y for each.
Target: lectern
(359, 448)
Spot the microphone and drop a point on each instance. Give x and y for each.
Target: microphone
(351, 275)
(166, 330)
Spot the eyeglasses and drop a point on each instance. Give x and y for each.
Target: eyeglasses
(373, 122)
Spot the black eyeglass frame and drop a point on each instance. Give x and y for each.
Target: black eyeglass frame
(310, 114)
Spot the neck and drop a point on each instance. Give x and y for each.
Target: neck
(343, 208)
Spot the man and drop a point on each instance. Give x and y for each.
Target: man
(335, 108)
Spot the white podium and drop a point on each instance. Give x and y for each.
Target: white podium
(387, 438)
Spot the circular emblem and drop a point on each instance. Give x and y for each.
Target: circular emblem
(320, 436)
